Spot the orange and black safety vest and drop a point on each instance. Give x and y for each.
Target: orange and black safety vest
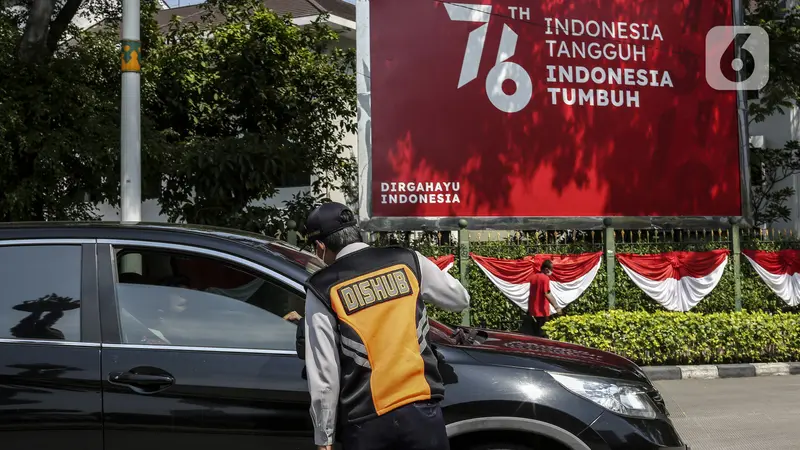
(386, 361)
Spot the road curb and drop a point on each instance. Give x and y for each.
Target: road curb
(709, 372)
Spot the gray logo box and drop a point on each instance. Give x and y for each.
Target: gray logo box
(719, 39)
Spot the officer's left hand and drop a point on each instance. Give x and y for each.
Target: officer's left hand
(293, 317)
(324, 447)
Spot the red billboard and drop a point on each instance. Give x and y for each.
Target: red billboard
(549, 108)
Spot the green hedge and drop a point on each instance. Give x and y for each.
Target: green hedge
(492, 310)
(663, 338)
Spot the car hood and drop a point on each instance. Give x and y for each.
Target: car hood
(515, 349)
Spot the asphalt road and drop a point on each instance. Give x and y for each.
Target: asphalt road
(736, 413)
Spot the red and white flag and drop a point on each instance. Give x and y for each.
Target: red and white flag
(780, 271)
(445, 262)
(572, 275)
(676, 280)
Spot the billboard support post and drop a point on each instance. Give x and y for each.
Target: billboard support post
(610, 262)
(463, 263)
(737, 263)
(744, 130)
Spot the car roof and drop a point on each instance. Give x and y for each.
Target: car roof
(206, 229)
(279, 252)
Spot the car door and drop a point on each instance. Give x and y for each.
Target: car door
(50, 390)
(197, 353)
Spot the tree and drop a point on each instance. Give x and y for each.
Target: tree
(248, 99)
(783, 27)
(47, 22)
(769, 167)
(229, 109)
(58, 114)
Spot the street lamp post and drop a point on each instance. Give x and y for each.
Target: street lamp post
(130, 110)
(130, 129)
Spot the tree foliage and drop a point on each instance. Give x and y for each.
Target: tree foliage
(770, 166)
(232, 106)
(663, 338)
(46, 24)
(782, 25)
(59, 118)
(248, 100)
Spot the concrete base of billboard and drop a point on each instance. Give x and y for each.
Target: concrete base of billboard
(707, 372)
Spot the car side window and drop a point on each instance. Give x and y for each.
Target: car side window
(40, 292)
(183, 299)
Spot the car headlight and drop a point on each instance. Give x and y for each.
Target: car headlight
(618, 397)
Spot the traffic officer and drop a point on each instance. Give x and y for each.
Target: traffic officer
(369, 363)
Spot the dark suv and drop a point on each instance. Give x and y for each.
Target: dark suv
(157, 337)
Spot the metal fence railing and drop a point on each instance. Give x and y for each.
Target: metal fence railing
(740, 287)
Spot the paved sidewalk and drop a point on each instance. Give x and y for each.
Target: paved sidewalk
(758, 413)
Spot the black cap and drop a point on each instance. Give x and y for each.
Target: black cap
(328, 219)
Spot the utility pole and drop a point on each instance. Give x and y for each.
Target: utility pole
(131, 128)
(130, 137)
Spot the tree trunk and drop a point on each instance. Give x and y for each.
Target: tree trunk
(34, 38)
(60, 24)
(41, 36)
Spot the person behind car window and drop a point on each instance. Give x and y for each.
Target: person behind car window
(539, 301)
(367, 353)
(176, 303)
(176, 281)
(169, 308)
(131, 278)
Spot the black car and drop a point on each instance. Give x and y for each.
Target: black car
(159, 337)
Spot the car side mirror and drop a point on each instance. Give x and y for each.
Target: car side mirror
(300, 339)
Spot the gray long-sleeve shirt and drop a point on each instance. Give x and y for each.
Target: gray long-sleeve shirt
(322, 341)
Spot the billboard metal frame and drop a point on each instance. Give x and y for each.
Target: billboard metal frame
(381, 223)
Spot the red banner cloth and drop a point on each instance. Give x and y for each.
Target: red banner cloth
(443, 262)
(780, 271)
(782, 262)
(676, 280)
(661, 266)
(572, 275)
(566, 268)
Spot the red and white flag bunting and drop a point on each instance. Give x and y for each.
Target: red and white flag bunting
(780, 271)
(445, 262)
(676, 280)
(572, 275)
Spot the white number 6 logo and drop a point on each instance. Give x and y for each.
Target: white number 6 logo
(502, 70)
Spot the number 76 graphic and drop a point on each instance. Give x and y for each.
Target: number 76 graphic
(503, 69)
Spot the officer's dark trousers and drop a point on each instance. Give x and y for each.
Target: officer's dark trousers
(416, 426)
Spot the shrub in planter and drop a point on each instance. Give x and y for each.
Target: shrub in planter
(664, 338)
